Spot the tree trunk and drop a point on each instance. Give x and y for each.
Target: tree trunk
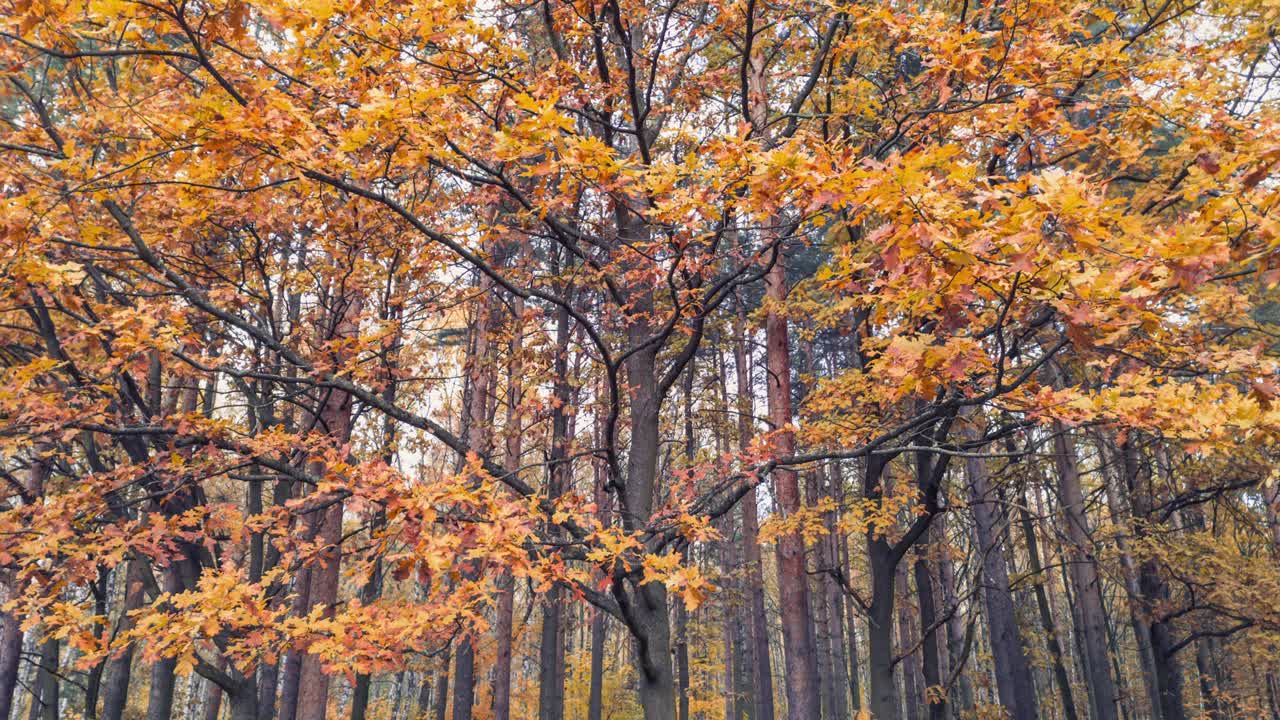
(1047, 625)
(1013, 671)
(882, 697)
(793, 582)
(1084, 575)
(441, 691)
(335, 417)
(511, 464)
(10, 655)
(44, 701)
(115, 694)
(1154, 592)
(829, 557)
(855, 679)
(212, 701)
(761, 670)
(912, 691)
(160, 695)
(550, 652)
(935, 695)
(961, 700)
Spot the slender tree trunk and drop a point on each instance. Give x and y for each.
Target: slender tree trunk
(478, 438)
(931, 656)
(1084, 574)
(1013, 671)
(793, 583)
(10, 655)
(116, 692)
(957, 651)
(855, 676)
(511, 464)
(595, 694)
(550, 652)
(821, 621)
(882, 699)
(160, 695)
(912, 690)
(440, 693)
(1154, 592)
(761, 670)
(1047, 625)
(44, 701)
(1128, 568)
(830, 559)
(335, 417)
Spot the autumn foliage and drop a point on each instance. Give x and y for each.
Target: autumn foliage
(632, 359)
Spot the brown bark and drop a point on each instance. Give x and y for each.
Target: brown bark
(793, 583)
(335, 419)
(510, 464)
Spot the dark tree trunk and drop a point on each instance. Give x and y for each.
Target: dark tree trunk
(882, 700)
(116, 689)
(44, 701)
(961, 700)
(829, 557)
(912, 691)
(440, 693)
(335, 418)
(10, 655)
(212, 701)
(1013, 671)
(160, 696)
(931, 657)
(1154, 590)
(510, 463)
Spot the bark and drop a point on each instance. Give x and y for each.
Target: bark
(931, 656)
(912, 691)
(10, 654)
(510, 464)
(761, 670)
(1013, 671)
(1154, 591)
(851, 618)
(44, 701)
(478, 438)
(551, 651)
(115, 693)
(882, 697)
(595, 697)
(335, 419)
(644, 608)
(830, 558)
(1141, 631)
(961, 700)
(1084, 575)
(441, 691)
(212, 701)
(1047, 624)
(793, 583)
(160, 695)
